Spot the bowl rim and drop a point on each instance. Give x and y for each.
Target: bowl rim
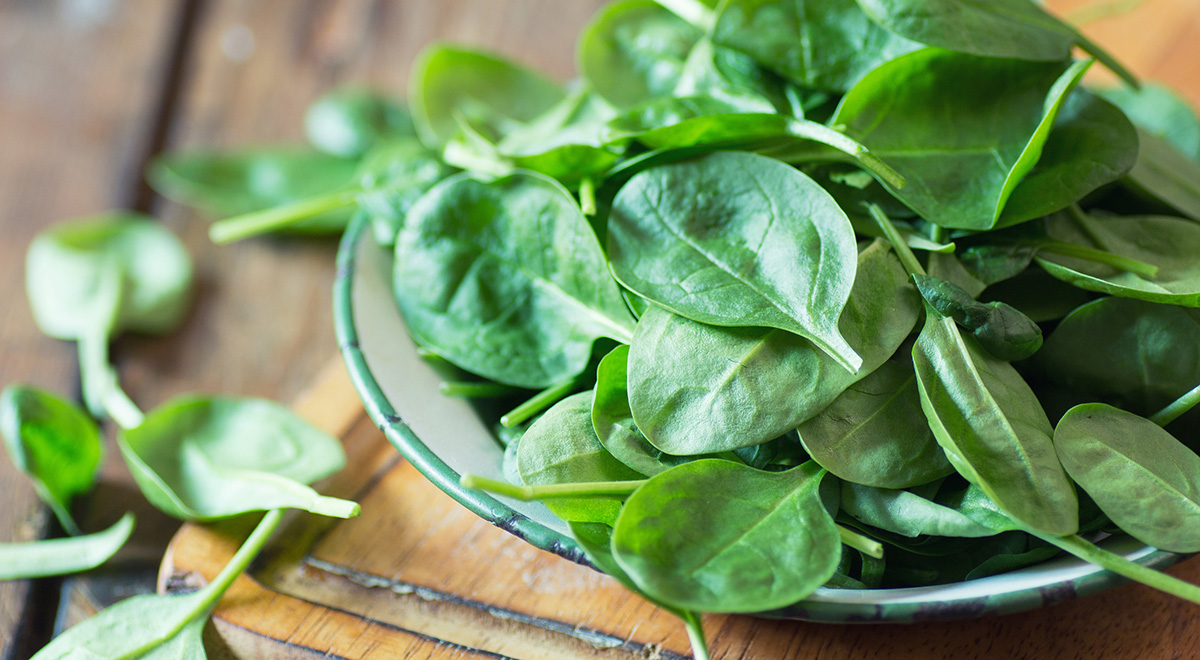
(1027, 588)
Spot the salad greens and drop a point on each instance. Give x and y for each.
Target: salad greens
(698, 262)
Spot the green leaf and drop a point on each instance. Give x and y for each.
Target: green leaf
(827, 44)
(1161, 112)
(695, 388)
(998, 327)
(249, 180)
(449, 85)
(393, 177)
(737, 239)
(1145, 481)
(20, 561)
(561, 447)
(767, 541)
(350, 122)
(908, 514)
(875, 433)
(205, 458)
(992, 428)
(566, 143)
(506, 279)
(1164, 174)
(950, 123)
(55, 443)
(634, 50)
(1170, 244)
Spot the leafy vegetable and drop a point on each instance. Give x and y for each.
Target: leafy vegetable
(998, 327)
(61, 556)
(349, 122)
(200, 458)
(53, 442)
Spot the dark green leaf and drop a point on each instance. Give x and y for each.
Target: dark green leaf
(1161, 112)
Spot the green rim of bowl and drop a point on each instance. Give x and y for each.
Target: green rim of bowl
(1036, 586)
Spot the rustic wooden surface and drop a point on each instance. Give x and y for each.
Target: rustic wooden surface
(90, 88)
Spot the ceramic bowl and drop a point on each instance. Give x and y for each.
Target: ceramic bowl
(444, 437)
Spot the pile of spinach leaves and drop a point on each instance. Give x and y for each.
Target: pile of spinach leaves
(856, 293)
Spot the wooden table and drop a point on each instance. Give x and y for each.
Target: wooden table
(91, 89)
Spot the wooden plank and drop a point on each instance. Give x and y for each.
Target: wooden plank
(79, 84)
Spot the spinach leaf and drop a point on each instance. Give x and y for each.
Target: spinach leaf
(55, 443)
(1163, 174)
(768, 540)
(737, 239)
(1161, 112)
(635, 50)
(205, 458)
(716, 72)
(20, 561)
(561, 447)
(1130, 353)
(950, 122)
(1170, 244)
(875, 433)
(695, 388)
(157, 627)
(908, 514)
(350, 122)
(1145, 481)
(992, 428)
(992, 28)
(474, 289)
(566, 143)
(393, 177)
(998, 327)
(450, 85)
(827, 44)
(250, 180)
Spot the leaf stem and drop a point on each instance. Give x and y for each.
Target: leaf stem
(1177, 407)
(475, 390)
(1121, 566)
(551, 491)
(119, 406)
(268, 220)
(242, 558)
(587, 196)
(695, 630)
(867, 546)
(537, 403)
(811, 130)
(907, 258)
(1099, 256)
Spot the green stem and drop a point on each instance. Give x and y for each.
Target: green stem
(1100, 257)
(905, 253)
(695, 631)
(93, 370)
(867, 546)
(475, 390)
(119, 406)
(242, 558)
(552, 491)
(1122, 566)
(811, 130)
(272, 219)
(938, 234)
(587, 196)
(1177, 407)
(537, 403)
(692, 11)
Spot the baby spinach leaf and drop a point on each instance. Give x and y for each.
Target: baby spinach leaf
(995, 262)
(875, 434)
(992, 428)
(1164, 174)
(827, 44)
(55, 443)
(234, 183)
(450, 85)
(613, 422)
(717, 72)
(561, 447)
(566, 143)
(393, 177)
(695, 388)
(737, 239)
(157, 627)
(473, 288)
(992, 28)
(768, 540)
(350, 122)
(998, 327)
(950, 122)
(908, 514)
(1145, 481)
(20, 561)
(634, 50)
(1091, 144)
(1170, 244)
(1131, 353)
(204, 458)
(1161, 112)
